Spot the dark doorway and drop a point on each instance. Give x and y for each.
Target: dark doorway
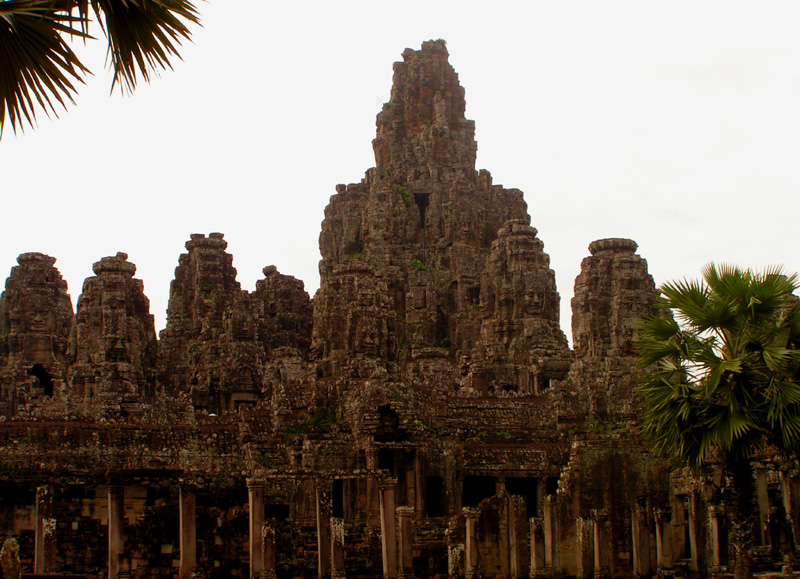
(434, 496)
(43, 377)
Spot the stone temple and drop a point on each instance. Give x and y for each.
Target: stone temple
(422, 416)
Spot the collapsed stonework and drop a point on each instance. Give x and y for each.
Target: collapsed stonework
(422, 416)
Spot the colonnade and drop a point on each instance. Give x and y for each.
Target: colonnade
(397, 550)
(689, 533)
(534, 538)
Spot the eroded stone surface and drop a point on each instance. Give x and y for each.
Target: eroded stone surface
(613, 293)
(35, 323)
(114, 347)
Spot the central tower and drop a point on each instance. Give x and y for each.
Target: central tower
(430, 274)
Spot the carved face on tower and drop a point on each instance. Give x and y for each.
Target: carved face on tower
(534, 302)
(36, 311)
(39, 321)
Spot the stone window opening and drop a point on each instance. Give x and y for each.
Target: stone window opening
(474, 489)
(551, 486)
(386, 460)
(422, 200)
(474, 295)
(337, 498)
(43, 378)
(388, 429)
(276, 511)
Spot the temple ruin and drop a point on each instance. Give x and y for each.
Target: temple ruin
(423, 416)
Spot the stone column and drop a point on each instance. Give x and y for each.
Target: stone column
(791, 502)
(503, 533)
(270, 550)
(255, 491)
(337, 548)
(713, 532)
(419, 483)
(116, 526)
(541, 494)
(550, 533)
(537, 547)
(405, 519)
(640, 539)
(323, 487)
(188, 531)
(373, 489)
(763, 506)
(455, 554)
(45, 547)
(663, 540)
(602, 543)
(517, 535)
(471, 560)
(388, 508)
(584, 532)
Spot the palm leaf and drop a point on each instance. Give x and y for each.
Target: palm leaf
(724, 374)
(143, 35)
(37, 67)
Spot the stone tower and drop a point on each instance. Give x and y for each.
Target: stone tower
(218, 337)
(613, 292)
(418, 263)
(114, 341)
(35, 323)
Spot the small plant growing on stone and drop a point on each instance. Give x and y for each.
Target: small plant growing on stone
(485, 240)
(418, 265)
(445, 342)
(352, 256)
(404, 194)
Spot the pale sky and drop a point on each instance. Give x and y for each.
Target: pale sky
(674, 124)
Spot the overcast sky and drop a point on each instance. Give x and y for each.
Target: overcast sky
(674, 124)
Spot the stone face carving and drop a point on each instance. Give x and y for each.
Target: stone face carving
(202, 296)
(35, 322)
(219, 337)
(522, 346)
(114, 343)
(613, 293)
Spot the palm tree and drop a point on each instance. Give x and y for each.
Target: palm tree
(722, 378)
(39, 70)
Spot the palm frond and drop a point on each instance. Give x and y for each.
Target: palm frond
(143, 35)
(37, 67)
(38, 70)
(724, 373)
